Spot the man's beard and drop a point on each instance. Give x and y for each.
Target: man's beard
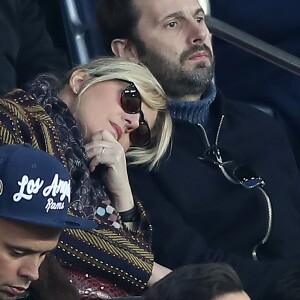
(177, 81)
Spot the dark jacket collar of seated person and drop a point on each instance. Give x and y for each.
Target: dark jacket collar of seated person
(41, 118)
(199, 215)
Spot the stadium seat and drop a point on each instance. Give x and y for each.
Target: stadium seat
(83, 36)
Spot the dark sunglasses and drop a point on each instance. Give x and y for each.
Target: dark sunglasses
(234, 172)
(131, 103)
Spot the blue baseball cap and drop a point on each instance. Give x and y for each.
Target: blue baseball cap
(35, 188)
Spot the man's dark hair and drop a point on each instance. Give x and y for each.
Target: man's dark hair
(194, 282)
(116, 19)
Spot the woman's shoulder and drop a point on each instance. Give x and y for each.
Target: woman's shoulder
(18, 96)
(23, 120)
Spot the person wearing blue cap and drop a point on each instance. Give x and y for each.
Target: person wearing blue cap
(34, 199)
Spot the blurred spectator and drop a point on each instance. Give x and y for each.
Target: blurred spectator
(26, 48)
(54, 14)
(245, 77)
(206, 282)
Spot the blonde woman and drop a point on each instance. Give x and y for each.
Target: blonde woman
(93, 116)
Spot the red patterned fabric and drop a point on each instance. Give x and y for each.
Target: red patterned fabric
(92, 287)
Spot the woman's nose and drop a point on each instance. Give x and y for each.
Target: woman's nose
(132, 121)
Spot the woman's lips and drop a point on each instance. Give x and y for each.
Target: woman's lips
(117, 129)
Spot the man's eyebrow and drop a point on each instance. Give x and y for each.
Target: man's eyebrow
(25, 249)
(173, 15)
(20, 248)
(199, 10)
(178, 14)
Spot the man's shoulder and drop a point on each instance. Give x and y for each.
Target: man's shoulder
(234, 106)
(256, 115)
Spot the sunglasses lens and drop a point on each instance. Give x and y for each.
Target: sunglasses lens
(247, 177)
(131, 100)
(141, 136)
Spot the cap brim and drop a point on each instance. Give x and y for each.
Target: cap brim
(69, 222)
(73, 222)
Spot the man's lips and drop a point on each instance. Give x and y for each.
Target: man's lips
(117, 129)
(199, 55)
(16, 290)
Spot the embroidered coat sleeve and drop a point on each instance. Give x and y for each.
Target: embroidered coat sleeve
(23, 121)
(121, 256)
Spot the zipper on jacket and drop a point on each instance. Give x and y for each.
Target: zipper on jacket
(218, 154)
(270, 221)
(217, 135)
(263, 192)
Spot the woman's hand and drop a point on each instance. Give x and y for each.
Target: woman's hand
(158, 272)
(103, 149)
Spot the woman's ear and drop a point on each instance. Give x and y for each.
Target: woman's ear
(125, 49)
(77, 80)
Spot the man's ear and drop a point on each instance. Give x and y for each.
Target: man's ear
(77, 80)
(125, 49)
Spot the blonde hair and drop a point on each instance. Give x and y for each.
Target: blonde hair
(112, 68)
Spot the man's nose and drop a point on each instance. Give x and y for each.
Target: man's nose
(132, 121)
(29, 268)
(198, 32)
